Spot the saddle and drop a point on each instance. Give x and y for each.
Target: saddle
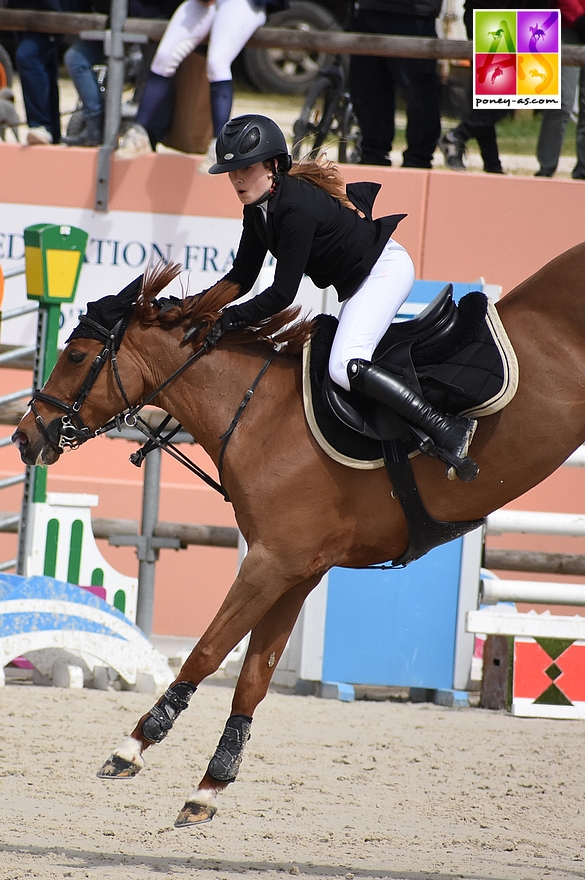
(457, 356)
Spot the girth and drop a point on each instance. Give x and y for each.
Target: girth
(424, 532)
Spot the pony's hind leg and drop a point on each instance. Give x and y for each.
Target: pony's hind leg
(267, 642)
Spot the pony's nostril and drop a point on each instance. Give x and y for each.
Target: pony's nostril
(20, 439)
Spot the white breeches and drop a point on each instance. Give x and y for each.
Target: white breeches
(365, 316)
(229, 25)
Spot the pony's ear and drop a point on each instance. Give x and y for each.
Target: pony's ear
(107, 311)
(130, 293)
(115, 307)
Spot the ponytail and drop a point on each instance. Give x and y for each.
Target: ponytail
(323, 173)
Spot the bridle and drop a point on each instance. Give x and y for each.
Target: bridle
(69, 431)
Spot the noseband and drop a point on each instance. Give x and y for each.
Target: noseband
(69, 431)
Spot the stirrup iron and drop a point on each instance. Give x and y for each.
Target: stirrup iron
(464, 468)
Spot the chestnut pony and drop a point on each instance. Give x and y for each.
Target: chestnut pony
(301, 512)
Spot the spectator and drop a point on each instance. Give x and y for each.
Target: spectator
(374, 83)
(37, 62)
(8, 115)
(80, 59)
(229, 24)
(554, 122)
(479, 124)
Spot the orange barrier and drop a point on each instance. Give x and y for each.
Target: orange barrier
(459, 226)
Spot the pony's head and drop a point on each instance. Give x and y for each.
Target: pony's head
(86, 375)
(87, 388)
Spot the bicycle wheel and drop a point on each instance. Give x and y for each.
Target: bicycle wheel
(350, 136)
(312, 127)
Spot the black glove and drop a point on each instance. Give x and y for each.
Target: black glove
(579, 26)
(214, 335)
(226, 322)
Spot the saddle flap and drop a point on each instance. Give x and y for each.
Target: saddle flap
(345, 406)
(362, 414)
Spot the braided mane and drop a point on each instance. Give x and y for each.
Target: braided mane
(203, 309)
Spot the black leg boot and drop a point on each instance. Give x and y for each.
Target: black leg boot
(451, 434)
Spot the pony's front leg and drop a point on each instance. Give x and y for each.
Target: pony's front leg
(256, 589)
(267, 642)
(152, 728)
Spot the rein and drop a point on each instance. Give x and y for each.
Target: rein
(156, 440)
(70, 431)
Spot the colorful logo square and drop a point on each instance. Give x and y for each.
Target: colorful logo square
(495, 30)
(538, 75)
(496, 75)
(516, 58)
(538, 31)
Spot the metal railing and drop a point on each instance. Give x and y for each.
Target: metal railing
(335, 42)
(12, 521)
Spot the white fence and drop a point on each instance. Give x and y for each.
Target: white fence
(537, 523)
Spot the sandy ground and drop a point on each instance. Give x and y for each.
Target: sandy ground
(327, 789)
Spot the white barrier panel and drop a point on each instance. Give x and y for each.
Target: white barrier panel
(545, 625)
(62, 546)
(577, 459)
(536, 523)
(545, 592)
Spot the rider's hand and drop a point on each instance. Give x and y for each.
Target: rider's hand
(214, 335)
(226, 322)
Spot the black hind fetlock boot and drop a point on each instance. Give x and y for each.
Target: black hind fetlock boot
(450, 434)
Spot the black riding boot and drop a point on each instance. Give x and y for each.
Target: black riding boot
(450, 433)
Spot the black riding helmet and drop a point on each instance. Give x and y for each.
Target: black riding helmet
(245, 140)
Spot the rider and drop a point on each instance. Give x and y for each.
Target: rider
(304, 215)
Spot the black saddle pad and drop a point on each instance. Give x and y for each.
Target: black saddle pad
(468, 369)
(471, 369)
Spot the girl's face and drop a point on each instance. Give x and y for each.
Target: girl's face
(252, 182)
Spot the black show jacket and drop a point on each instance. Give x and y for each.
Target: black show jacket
(309, 232)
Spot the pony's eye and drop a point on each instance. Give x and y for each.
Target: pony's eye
(77, 357)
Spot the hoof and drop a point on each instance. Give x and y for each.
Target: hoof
(118, 768)
(195, 814)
